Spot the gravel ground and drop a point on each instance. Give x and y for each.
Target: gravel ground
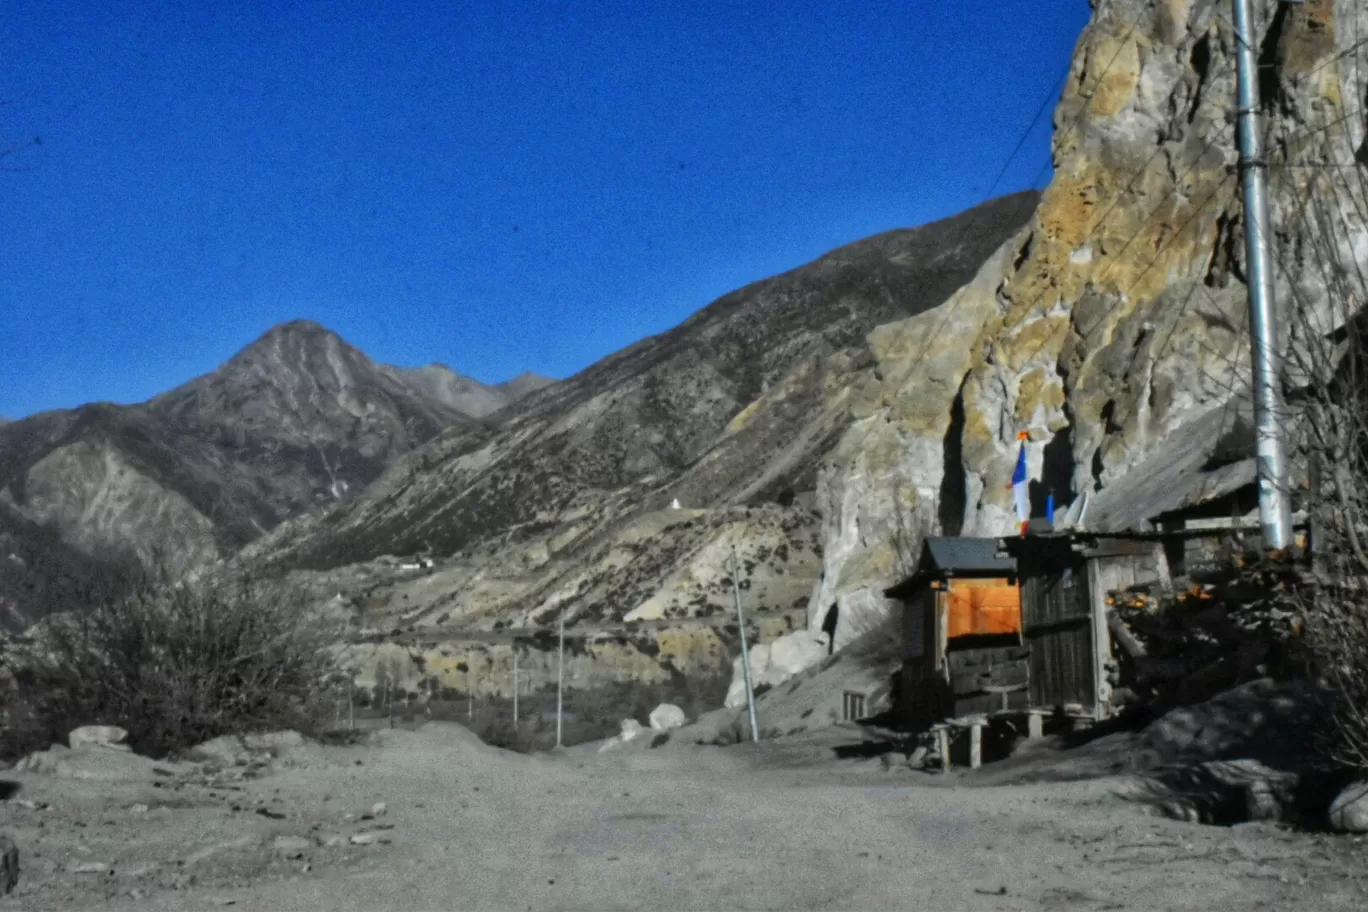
(779, 825)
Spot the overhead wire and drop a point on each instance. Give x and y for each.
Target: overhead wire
(1085, 333)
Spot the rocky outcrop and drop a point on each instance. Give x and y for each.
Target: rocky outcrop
(1116, 318)
(1122, 317)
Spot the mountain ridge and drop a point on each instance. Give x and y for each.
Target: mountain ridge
(293, 423)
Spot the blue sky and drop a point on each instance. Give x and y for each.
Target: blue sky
(498, 186)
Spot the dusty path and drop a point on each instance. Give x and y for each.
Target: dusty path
(682, 828)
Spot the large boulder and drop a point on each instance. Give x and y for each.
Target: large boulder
(1349, 811)
(667, 716)
(775, 662)
(96, 735)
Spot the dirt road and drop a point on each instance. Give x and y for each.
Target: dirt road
(782, 826)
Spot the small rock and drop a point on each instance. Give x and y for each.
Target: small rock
(9, 865)
(100, 735)
(362, 839)
(224, 751)
(666, 717)
(91, 867)
(43, 761)
(333, 842)
(139, 809)
(1349, 810)
(630, 729)
(378, 809)
(276, 742)
(291, 846)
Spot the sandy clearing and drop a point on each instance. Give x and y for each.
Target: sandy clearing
(771, 826)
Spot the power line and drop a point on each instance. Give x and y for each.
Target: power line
(1045, 105)
(1078, 118)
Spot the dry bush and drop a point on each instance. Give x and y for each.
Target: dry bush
(175, 665)
(1327, 419)
(880, 643)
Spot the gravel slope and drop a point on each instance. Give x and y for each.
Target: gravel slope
(779, 825)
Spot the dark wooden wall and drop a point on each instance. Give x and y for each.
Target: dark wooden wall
(1057, 627)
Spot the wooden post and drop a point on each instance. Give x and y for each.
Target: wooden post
(975, 745)
(1035, 725)
(943, 745)
(515, 684)
(1101, 637)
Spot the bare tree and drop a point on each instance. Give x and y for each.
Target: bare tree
(1327, 420)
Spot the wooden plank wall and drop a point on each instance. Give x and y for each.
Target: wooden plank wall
(1057, 620)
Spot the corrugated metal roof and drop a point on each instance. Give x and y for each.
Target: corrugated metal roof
(1178, 474)
(954, 557)
(965, 555)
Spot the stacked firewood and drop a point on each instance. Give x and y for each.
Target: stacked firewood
(1187, 645)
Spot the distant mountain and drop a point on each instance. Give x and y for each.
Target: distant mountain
(524, 385)
(467, 396)
(738, 403)
(294, 423)
(40, 573)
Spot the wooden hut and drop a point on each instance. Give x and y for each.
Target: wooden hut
(1066, 578)
(962, 648)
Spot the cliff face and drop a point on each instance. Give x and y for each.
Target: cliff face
(1114, 325)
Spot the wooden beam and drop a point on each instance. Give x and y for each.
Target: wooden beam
(1134, 648)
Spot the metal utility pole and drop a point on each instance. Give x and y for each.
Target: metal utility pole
(1275, 514)
(560, 680)
(745, 652)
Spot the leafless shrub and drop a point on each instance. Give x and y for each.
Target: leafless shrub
(1327, 373)
(881, 642)
(175, 665)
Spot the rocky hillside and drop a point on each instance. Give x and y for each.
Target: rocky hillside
(734, 405)
(567, 505)
(295, 423)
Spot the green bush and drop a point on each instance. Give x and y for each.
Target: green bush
(175, 665)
